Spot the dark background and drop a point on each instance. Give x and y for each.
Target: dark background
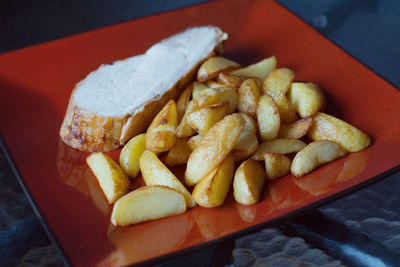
(362, 229)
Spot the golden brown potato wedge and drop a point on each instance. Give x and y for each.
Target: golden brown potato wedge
(268, 118)
(112, 179)
(246, 140)
(147, 203)
(160, 135)
(214, 84)
(295, 130)
(315, 154)
(179, 153)
(203, 119)
(217, 143)
(259, 69)
(327, 127)
(229, 80)
(281, 146)
(211, 96)
(249, 124)
(194, 141)
(213, 66)
(249, 95)
(154, 172)
(212, 190)
(306, 98)
(278, 81)
(130, 154)
(276, 165)
(197, 88)
(184, 129)
(248, 182)
(183, 101)
(286, 111)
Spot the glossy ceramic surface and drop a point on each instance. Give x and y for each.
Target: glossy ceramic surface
(36, 83)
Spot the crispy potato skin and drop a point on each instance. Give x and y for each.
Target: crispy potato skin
(211, 96)
(160, 135)
(214, 148)
(203, 119)
(315, 154)
(327, 127)
(276, 165)
(230, 80)
(249, 95)
(142, 205)
(280, 145)
(212, 190)
(295, 130)
(306, 98)
(213, 66)
(156, 173)
(278, 81)
(248, 182)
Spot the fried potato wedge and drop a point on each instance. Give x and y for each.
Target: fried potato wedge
(154, 172)
(276, 165)
(217, 143)
(249, 124)
(246, 140)
(160, 135)
(259, 69)
(286, 111)
(214, 84)
(112, 179)
(295, 130)
(194, 141)
(327, 127)
(213, 66)
(203, 119)
(212, 190)
(248, 182)
(184, 129)
(147, 203)
(278, 81)
(248, 95)
(306, 98)
(183, 101)
(130, 154)
(268, 118)
(197, 88)
(315, 154)
(230, 80)
(281, 146)
(211, 96)
(179, 153)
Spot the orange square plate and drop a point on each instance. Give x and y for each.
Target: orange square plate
(36, 83)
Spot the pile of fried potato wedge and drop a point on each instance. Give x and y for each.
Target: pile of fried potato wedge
(234, 126)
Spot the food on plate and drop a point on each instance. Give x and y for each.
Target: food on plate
(249, 94)
(183, 101)
(156, 173)
(268, 118)
(130, 154)
(214, 148)
(296, 129)
(315, 154)
(211, 96)
(327, 127)
(248, 182)
(230, 80)
(143, 204)
(179, 153)
(276, 165)
(194, 141)
(279, 145)
(214, 84)
(184, 129)
(112, 179)
(213, 66)
(259, 70)
(197, 88)
(306, 98)
(203, 119)
(119, 100)
(212, 190)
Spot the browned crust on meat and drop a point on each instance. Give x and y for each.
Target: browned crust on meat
(88, 131)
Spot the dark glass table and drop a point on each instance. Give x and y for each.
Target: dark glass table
(362, 229)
